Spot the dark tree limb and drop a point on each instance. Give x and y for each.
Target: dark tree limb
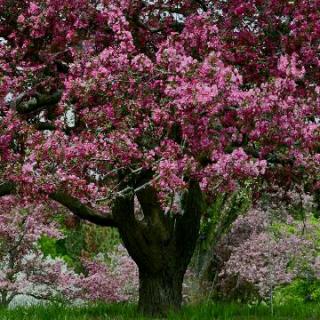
(6, 188)
(134, 235)
(158, 225)
(188, 224)
(202, 5)
(74, 205)
(44, 126)
(82, 211)
(37, 103)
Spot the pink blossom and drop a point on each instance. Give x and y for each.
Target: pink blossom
(34, 9)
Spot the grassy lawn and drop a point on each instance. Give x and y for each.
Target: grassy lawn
(127, 311)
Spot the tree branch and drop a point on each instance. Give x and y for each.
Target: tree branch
(82, 211)
(44, 126)
(33, 295)
(157, 224)
(38, 103)
(133, 235)
(202, 5)
(6, 188)
(188, 224)
(74, 205)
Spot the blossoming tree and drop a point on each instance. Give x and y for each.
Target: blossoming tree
(132, 114)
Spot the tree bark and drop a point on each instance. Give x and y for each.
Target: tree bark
(160, 292)
(6, 188)
(4, 302)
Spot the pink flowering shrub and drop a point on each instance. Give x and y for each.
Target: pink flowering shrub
(259, 257)
(126, 270)
(115, 281)
(99, 284)
(24, 269)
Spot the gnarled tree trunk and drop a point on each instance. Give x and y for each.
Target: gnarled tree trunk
(161, 245)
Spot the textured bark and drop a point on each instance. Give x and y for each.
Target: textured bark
(38, 103)
(6, 188)
(82, 211)
(160, 292)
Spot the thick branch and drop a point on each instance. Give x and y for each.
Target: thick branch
(74, 205)
(82, 211)
(6, 188)
(132, 233)
(158, 226)
(45, 126)
(202, 5)
(188, 224)
(38, 103)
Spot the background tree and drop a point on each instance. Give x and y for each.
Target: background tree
(259, 256)
(135, 114)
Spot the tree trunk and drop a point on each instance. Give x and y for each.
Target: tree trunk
(4, 302)
(161, 245)
(159, 293)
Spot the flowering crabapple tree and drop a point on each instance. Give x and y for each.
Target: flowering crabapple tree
(134, 114)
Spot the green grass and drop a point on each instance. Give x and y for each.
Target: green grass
(126, 311)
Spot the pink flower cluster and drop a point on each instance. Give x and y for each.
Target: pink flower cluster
(131, 83)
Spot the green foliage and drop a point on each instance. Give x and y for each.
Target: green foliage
(80, 240)
(306, 288)
(224, 211)
(316, 209)
(297, 212)
(55, 248)
(299, 291)
(220, 216)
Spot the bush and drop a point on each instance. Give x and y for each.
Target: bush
(299, 291)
